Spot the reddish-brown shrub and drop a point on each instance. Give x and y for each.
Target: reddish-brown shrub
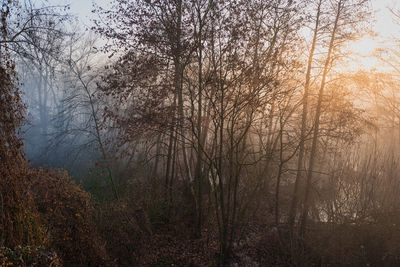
(18, 220)
(66, 214)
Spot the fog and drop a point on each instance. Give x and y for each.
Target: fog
(208, 133)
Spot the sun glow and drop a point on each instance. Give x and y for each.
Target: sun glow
(365, 47)
(363, 54)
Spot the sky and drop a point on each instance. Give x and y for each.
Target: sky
(384, 18)
(383, 24)
(81, 8)
(386, 29)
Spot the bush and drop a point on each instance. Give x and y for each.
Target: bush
(66, 215)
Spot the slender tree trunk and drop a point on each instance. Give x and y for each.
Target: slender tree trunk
(303, 130)
(178, 77)
(97, 133)
(278, 178)
(158, 150)
(198, 170)
(224, 223)
(171, 180)
(317, 123)
(171, 150)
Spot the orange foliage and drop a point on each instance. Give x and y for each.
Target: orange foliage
(17, 217)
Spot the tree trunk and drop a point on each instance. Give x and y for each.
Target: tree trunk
(317, 123)
(303, 130)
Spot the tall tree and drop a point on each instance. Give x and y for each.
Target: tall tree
(348, 15)
(303, 130)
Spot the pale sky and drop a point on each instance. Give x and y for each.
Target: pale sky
(383, 25)
(81, 8)
(384, 18)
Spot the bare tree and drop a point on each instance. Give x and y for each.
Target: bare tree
(344, 16)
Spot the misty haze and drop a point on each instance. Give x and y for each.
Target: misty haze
(200, 133)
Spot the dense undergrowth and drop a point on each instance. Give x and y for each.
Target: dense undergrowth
(138, 231)
(71, 227)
